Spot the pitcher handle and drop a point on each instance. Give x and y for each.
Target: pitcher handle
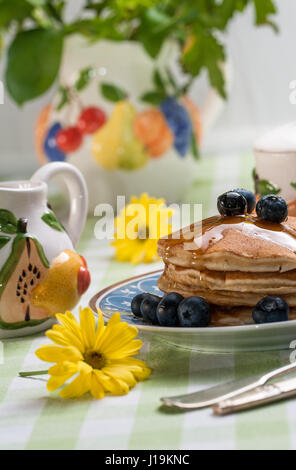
(77, 190)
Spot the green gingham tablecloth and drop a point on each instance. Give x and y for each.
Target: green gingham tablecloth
(31, 418)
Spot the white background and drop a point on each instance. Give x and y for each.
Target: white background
(263, 64)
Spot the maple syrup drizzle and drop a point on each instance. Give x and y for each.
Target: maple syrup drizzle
(213, 229)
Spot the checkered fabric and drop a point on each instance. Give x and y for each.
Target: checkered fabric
(32, 418)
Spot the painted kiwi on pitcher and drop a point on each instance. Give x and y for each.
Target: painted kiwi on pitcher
(22, 272)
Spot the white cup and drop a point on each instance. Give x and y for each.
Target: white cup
(275, 154)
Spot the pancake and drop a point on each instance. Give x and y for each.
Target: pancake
(234, 281)
(232, 262)
(220, 297)
(237, 316)
(233, 244)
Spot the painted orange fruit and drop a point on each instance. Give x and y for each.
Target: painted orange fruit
(161, 145)
(194, 116)
(151, 129)
(41, 127)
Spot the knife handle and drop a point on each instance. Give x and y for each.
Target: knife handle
(256, 397)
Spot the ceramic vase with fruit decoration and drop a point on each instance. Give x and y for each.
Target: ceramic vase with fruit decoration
(126, 121)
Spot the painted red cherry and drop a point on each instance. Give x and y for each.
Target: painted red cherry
(83, 261)
(91, 119)
(69, 139)
(83, 281)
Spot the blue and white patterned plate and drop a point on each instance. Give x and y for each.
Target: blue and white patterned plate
(118, 297)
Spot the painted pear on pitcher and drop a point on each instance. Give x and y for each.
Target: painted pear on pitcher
(24, 269)
(115, 146)
(32, 289)
(63, 284)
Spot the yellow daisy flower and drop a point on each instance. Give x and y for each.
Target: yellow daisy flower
(98, 359)
(138, 227)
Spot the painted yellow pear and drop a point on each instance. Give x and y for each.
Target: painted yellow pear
(114, 145)
(64, 283)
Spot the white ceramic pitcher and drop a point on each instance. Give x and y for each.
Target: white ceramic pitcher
(40, 272)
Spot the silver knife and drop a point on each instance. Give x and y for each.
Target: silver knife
(210, 396)
(258, 396)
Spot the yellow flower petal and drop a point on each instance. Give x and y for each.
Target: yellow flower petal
(60, 374)
(84, 368)
(100, 329)
(64, 368)
(67, 337)
(77, 343)
(57, 337)
(136, 366)
(130, 349)
(69, 321)
(154, 219)
(78, 387)
(96, 388)
(88, 327)
(58, 354)
(120, 387)
(138, 256)
(55, 382)
(121, 336)
(114, 322)
(107, 382)
(118, 372)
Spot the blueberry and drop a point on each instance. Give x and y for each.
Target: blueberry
(148, 308)
(272, 208)
(270, 310)
(178, 120)
(136, 304)
(250, 198)
(167, 310)
(50, 146)
(232, 203)
(194, 311)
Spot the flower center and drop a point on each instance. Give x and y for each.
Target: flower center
(94, 359)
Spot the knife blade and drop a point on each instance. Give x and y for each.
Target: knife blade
(210, 396)
(259, 396)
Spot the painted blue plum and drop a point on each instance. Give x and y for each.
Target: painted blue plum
(179, 122)
(50, 146)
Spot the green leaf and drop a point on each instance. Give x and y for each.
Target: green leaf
(157, 20)
(194, 147)
(220, 16)
(50, 219)
(83, 79)
(8, 222)
(37, 3)
(158, 81)
(206, 52)
(153, 30)
(13, 10)
(64, 97)
(153, 97)
(3, 240)
(264, 8)
(33, 63)
(293, 185)
(265, 187)
(171, 79)
(96, 28)
(112, 92)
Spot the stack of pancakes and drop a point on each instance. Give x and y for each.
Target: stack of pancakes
(235, 268)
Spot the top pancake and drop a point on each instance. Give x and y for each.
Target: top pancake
(269, 248)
